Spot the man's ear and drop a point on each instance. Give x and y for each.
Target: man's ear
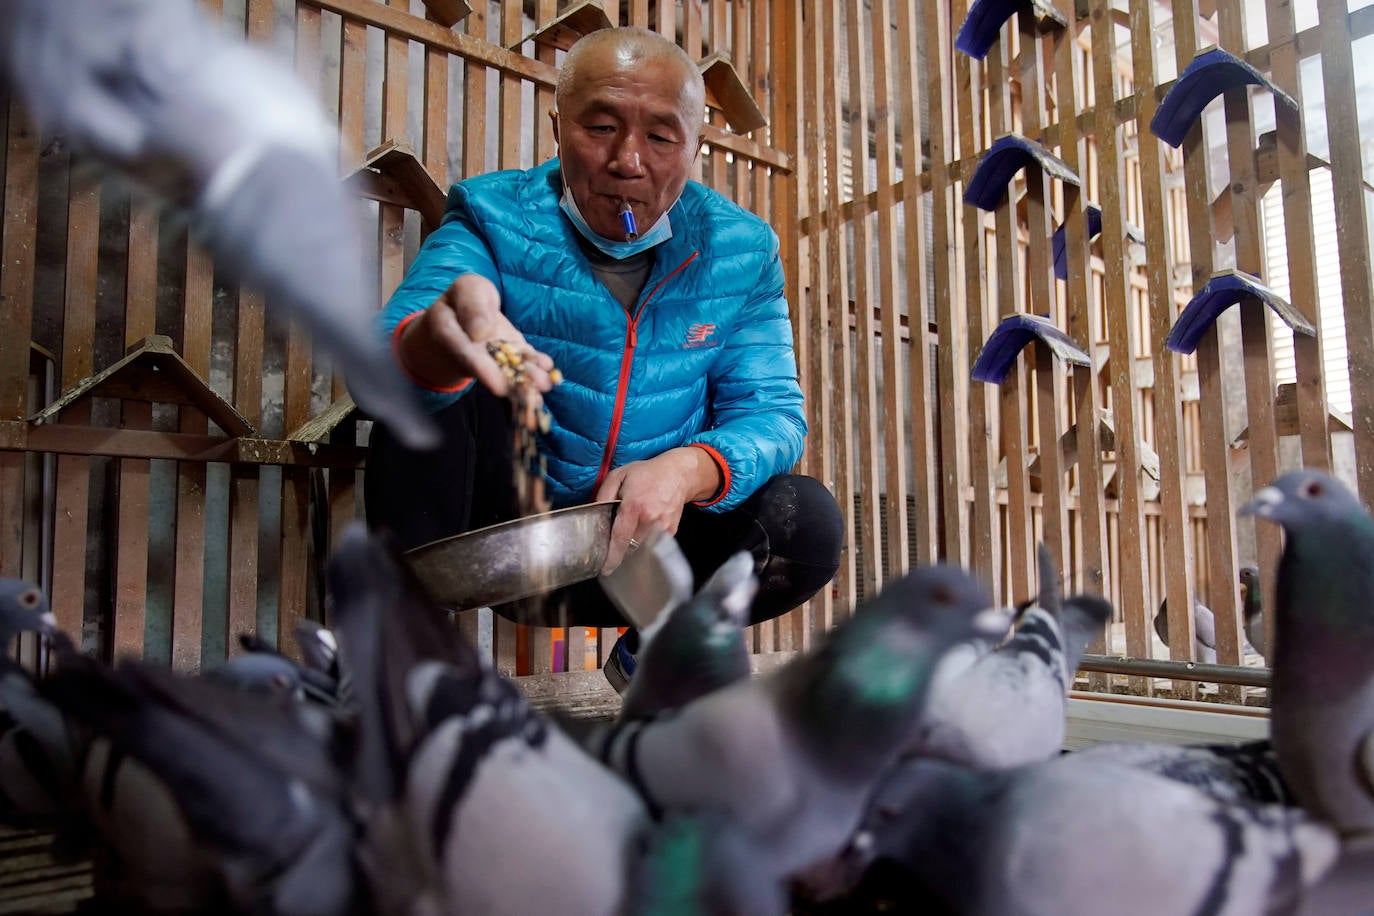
(553, 120)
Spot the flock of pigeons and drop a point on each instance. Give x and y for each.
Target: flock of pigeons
(395, 771)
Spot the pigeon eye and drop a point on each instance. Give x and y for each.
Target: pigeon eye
(941, 595)
(1311, 489)
(30, 599)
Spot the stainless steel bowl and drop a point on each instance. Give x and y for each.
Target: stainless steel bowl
(509, 566)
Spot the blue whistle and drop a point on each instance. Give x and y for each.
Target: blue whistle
(627, 221)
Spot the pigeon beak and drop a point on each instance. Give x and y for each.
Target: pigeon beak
(1264, 503)
(49, 622)
(993, 621)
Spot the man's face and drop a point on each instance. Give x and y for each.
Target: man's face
(626, 133)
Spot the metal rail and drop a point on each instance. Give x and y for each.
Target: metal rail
(1185, 671)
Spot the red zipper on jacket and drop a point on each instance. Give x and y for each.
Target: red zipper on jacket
(623, 383)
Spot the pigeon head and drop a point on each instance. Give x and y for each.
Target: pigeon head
(1250, 595)
(863, 690)
(23, 609)
(1324, 576)
(261, 673)
(1311, 501)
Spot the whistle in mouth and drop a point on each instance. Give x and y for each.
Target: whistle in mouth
(627, 222)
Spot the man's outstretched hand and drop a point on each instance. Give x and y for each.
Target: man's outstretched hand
(653, 493)
(447, 344)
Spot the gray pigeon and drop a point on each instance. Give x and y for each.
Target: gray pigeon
(791, 757)
(1205, 624)
(1074, 835)
(1227, 772)
(205, 798)
(23, 609)
(1008, 707)
(698, 646)
(699, 865)
(153, 91)
(478, 804)
(35, 748)
(1252, 610)
(1322, 694)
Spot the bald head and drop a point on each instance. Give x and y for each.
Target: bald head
(630, 47)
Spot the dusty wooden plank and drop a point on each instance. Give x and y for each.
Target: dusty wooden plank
(293, 577)
(342, 497)
(750, 29)
(189, 571)
(509, 151)
(716, 42)
(17, 252)
(1014, 393)
(1083, 325)
(352, 92)
(1257, 348)
(785, 198)
(948, 513)
(838, 302)
(1291, 150)
(982, 555)
(1049, 373)
(865, 475)
(17, 248)
(1177, 555)
(71, 439)
(435, 147)
(918, 396)
(1120, 336)
(131, 554)
(73, 476)
(1352, 228)
(1220, 540)
(897, 444)
(816, 371)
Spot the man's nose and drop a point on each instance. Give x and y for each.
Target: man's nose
(626, 161)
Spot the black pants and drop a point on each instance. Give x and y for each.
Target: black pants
(791, 525)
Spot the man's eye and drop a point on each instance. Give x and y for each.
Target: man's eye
(661, 139)
(600, 128)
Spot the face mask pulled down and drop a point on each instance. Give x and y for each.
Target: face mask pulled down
(660, 231)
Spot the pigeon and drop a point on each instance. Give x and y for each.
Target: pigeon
(1204, 631)
(1073, 833)
(1322, 693)
(480, 804)
(263, 669)
(699, 863)
(696, 647)
(1227, 772)
(1008, 707)
(790, 757)
(1205, 625)
(205, 798)
(23, 609)
(155, 92)
(35, 747)
(1252, 610)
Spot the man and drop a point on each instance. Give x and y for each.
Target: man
(661, 303)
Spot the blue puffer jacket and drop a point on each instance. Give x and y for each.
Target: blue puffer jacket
(706, 360)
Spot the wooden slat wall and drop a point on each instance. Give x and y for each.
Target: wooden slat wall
(894, 282)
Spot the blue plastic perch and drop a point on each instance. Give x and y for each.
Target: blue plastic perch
(1221, 292)
(1007, 156)
(1011, 336)
(985, 19)
(1061, 259)
(1210, 74)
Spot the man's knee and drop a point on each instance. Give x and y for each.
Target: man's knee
(802, 520)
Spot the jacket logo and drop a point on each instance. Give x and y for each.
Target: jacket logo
(698, 335)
